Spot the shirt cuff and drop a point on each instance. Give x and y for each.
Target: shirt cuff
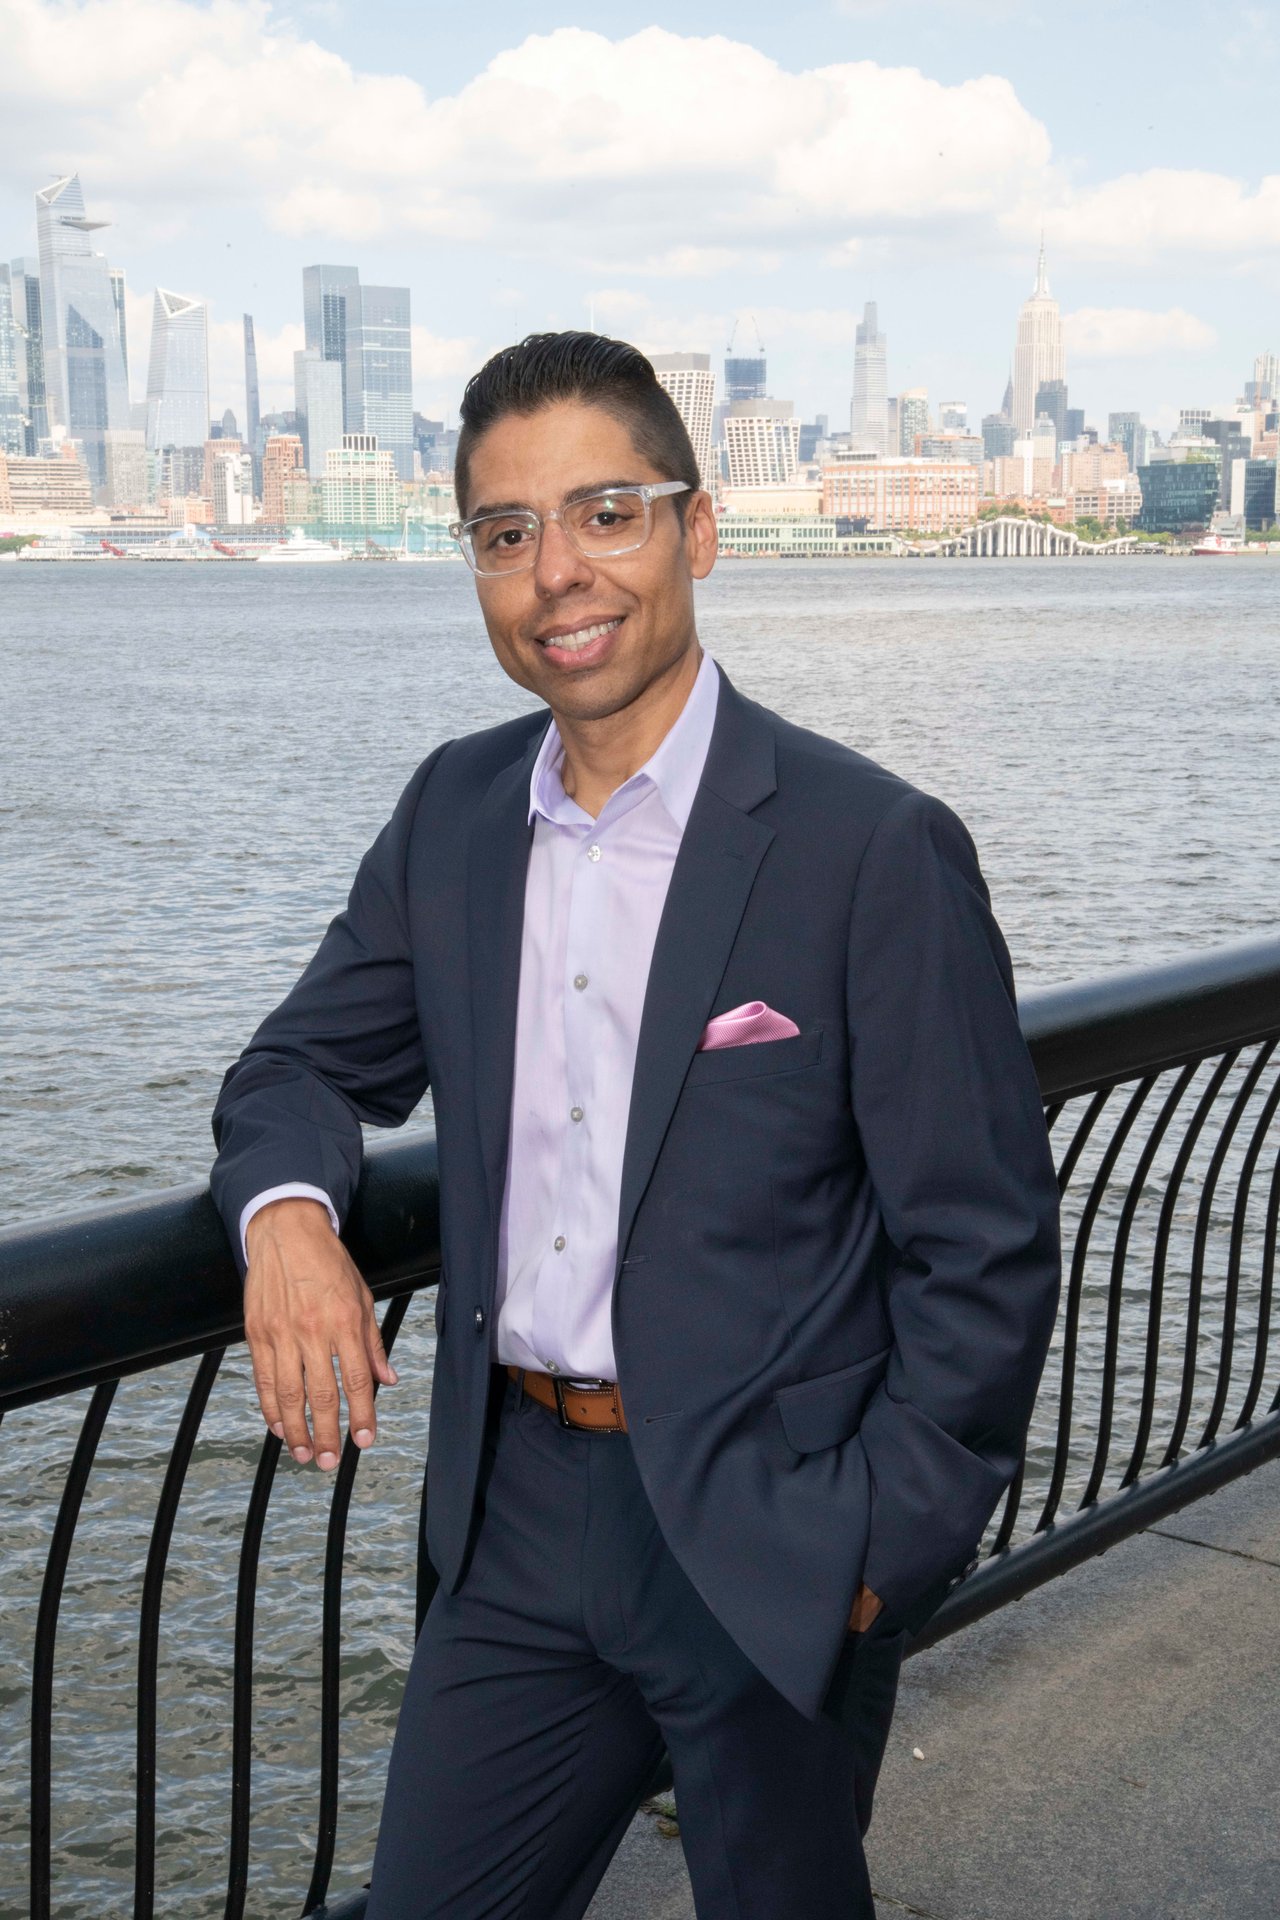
(291, 1190)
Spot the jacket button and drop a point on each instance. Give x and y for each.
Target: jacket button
(479, 1319)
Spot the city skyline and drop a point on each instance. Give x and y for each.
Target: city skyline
(793, 176)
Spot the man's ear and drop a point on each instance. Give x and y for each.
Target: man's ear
(702, 537)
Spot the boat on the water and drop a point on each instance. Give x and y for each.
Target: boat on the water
(300, 549)
(1219, 543)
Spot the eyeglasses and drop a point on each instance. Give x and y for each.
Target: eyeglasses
(602, 525)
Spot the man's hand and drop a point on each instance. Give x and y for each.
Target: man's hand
(866, 1606)
(305, 1303)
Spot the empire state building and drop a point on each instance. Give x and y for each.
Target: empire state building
(1038, 356)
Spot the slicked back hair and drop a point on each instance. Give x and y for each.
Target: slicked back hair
(548, 367)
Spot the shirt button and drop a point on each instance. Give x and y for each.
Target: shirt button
(479, 1319)
(559, 1243)
(580, 981)
(593, 852)
(551, 1366)
(575, 1113)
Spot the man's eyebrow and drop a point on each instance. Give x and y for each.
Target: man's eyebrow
(571, 498)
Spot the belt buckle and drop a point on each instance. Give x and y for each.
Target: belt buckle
(574, 1426)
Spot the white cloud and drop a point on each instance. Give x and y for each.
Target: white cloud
(1114, 333)
(669, 152)
(662, 155)
(1169, 211)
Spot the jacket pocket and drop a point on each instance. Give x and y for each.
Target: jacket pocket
(824, 1411)
(755, 1057)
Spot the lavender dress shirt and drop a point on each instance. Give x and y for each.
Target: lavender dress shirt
(594, 895)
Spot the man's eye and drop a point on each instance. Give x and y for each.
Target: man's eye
(504, 536)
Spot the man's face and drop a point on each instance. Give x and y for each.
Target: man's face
(642, 600)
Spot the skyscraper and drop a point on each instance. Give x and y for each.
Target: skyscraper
(745, 377)
(317, 399)
(1051, 400)
(1039, 356)
(13, 439)
(379, 392)
(869, 413)
(913, 419)
(178, 372)
(762, 443)
(84, 366)
(116, 277)
(1265, 384)
(688, 378)
(252, 409)
(325, 293)
(24, 287)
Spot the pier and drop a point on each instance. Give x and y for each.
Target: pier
(1105, 1748)
(1014, 537)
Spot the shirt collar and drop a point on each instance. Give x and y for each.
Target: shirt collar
(674, 768)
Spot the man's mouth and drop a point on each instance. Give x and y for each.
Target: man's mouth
(578, 639)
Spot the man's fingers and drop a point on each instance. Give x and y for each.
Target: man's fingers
(357, 1383)
(324, 1400)
(264, 1384)
(377, 1352)
(291, 1400)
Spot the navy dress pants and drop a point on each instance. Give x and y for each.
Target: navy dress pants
(542, 1693)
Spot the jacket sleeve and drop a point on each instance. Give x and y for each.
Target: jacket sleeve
(343, 1046)
(951, 1122)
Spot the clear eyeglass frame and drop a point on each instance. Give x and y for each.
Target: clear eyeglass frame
(464, 531)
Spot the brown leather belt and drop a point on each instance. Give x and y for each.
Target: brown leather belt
(597, 1409)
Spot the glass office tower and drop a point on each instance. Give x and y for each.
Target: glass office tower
(84, 366)
(379, 396)
(178, 373)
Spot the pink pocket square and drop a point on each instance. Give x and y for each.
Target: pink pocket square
(741, 1025)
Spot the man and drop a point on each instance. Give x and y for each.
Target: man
(748, 1218)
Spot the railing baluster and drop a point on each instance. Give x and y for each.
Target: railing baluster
(144, 1869)
(1235, 1253)
(1203, 1214)
(242, 1679)
(55, 1573)
(331, 1638)
(1266, 1283)
(1075, 1287)
(1115, 1291)
(1159, 1258)
(1012, 1502)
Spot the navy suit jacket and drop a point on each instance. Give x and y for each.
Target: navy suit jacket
(837, 1262)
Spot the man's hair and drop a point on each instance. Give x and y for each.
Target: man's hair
(547, 367)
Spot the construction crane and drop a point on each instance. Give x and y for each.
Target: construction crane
(734, 334)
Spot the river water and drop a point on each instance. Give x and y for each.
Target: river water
(194, 759)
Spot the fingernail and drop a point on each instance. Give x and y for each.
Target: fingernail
(328, 1460)
(302, 1455)
(362, 1437)
(277, 1427)
(393, 1378)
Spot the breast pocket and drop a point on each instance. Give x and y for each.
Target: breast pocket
(756, 1057)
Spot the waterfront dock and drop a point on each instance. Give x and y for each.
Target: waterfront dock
(1106, 1749)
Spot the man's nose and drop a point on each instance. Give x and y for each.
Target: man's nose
(559, 565)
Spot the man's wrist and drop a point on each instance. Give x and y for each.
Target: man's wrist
(275, 1197)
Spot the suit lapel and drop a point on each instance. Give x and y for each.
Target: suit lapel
(497, 864)
(711, 882)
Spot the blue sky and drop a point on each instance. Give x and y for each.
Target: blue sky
(697, 164)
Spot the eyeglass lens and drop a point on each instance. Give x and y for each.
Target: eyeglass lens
(602, 524)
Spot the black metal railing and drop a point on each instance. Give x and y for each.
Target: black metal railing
(1162, 1088)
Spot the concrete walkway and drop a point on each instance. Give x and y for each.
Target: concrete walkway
(1108, 1749)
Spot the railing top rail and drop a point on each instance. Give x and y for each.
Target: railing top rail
(1138, 1020)
(164, 1265)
